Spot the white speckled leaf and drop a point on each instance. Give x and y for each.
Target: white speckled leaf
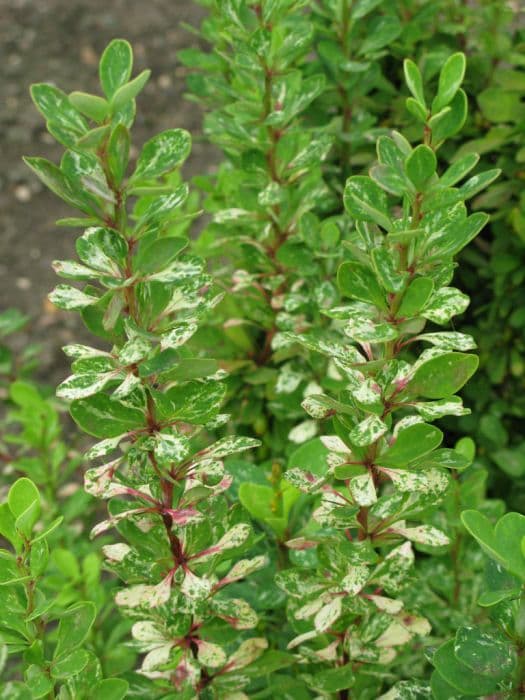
(354, 581)
(70, 298)
(179, 335)
(444, 304)
(210, 654)
(171, 448)
(116, 552)
(429, 481)
(78, 386)
(432, 410)
(247, 652)
(368, 431)
(423, 534)
(388, 605)
(449, 340)
(128, 386)
(328, 614)
(363, 490)
(303, 432)
(364, 330)
(245, 567)
(102, 448)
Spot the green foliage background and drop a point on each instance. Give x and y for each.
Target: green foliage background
(297, 94)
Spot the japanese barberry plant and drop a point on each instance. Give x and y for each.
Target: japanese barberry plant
(148, 398)
(283, 518)
(386, 471)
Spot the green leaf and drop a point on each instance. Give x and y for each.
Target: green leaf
(22, 495)
(502, 543)
(39, 557)
(118, 153)
(163, 153)
(480, 527)
(443, 375)
(509, 533)
(49, 529)
(73, 628)
(416, 109)
(364, 200)
(450, 122)
(499, 105)
(92, 106)
(420, 166)
(382, 31)
(12, 320)
(115, 66)
(53, 178)
(333, 680)
(37, 681)
(158, 254)
(487, 652)
(70, 664)
(450, 79)
(359, 282)
(479, 182)
(414, 81)
(460, 676)
(103, 417)
(411, 444)
(129, 91)
(56, 107)
(310, 456)
(265, 504)
(416, 296)
(111, 689)
(7, 524)
(385, 268)
(103, 249)
(459, 169)
(193, 402)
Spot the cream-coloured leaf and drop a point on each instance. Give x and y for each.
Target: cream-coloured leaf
(363, 490)
(335, 444)
(328, 614)
(245, 567)
(158, 656)
(388, 605)
(423, 534)
(70, 298)
(303, 432)
(116, 552)
(355, 579)
(248, 651)
(148, 632)
(210, 654)
(196, 587)
(368, 431)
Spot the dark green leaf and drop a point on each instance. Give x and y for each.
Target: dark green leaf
(420, 166)
(73, 628)
(450, 79)
(359, 282)
(443, 375)
(103, 417)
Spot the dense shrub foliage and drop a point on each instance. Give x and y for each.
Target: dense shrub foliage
(299, 503)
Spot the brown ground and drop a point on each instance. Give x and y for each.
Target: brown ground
(59, 41)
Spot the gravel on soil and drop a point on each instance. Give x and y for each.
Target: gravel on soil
(59, 41)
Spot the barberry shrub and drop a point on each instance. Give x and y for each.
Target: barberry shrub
(148, 398)
(325, 313)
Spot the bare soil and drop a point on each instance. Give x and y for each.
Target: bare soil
(60, 41)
